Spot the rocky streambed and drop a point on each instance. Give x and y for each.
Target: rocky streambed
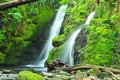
(78, 72)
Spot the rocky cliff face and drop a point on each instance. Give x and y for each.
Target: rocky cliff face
(80, 43)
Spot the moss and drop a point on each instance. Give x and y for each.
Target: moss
(78, 74)
(63, 2)
(27, 75)
(55, 53)
(58, 40)
(94, 71)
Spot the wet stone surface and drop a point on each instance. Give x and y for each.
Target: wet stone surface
(8, 76)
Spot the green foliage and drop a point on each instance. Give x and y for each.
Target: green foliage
(103, 33)
(18, 26)
(58, 40)
(63, 2)
(94, 71)
(78, 74)
(14, 49)
(55, 53)
(3, 1)
(17, 16)
(27, 21)
(28, 30)
(100, 45)
(75, 15)
(79, 11)
(2, 57)
(44, 2)
(27, 75)
(2, 36)
(101, 40)
(48, 14)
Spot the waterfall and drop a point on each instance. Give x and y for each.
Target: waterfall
(90, 17)
(54, 31)
(68, 54)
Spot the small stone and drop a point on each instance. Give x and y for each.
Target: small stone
(94, 71)
(1, 73)
(108, 78)
(78, 75)
(86, 78)
(72, 76)
(6, 71)
(8, 79)
(93, 77)
(64, 73)
(47, 74)
(62, 77)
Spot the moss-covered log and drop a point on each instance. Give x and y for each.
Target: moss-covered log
(111, 71)
(89, 66)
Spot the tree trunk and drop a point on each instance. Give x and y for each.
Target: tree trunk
(118, 6)
(14, 3)
(98, 2)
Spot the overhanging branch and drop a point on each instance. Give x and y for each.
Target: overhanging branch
(14, 3)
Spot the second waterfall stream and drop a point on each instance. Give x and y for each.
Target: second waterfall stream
(54, 31)
(68, 54)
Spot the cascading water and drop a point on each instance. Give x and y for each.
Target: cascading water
(55, 29)
(90, 17)
(68, 54)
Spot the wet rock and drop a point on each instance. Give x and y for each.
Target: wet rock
(93, 77)
(56, 43)
(6, 71)
(94, 71)
(47, 74)
(86, 78)
(8, 77)
(84, 74)
(62, 77)
(63, 73)
(56, 64)
(80, 43)
(78, 75)
(109, 79)
(1, 73)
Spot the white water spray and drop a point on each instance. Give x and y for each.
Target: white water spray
(90, 17)
(55, 29)
(68, 54)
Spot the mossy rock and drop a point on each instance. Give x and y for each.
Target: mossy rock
(78, 74)
(27, 75)
(58, 40)
(55, 53)
(94, 71)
